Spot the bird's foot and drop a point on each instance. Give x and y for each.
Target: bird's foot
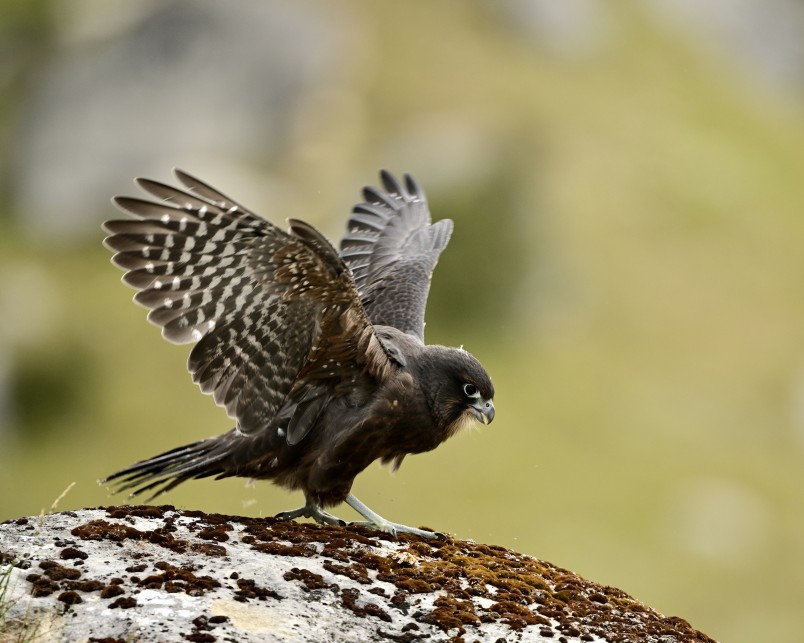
(395, 528)
(311, 510)
(375, 521)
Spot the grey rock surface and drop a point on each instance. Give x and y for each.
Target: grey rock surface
(159, 574)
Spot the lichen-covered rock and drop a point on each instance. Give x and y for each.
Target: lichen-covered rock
(160, 574)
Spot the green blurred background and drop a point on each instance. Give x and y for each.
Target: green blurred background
(627, 185)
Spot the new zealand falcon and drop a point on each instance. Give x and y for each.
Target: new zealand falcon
(318, 356)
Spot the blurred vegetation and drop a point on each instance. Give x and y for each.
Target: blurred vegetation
(626, 263)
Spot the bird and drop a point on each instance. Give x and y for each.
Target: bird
(318, 355)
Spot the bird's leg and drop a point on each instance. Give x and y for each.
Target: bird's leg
(375, 521)
(313, 510)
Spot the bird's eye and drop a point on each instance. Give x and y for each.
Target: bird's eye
(471, 390)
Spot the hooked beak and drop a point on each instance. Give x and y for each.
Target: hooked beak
(483, 410)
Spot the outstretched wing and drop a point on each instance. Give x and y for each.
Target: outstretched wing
(391, 247)
(266, 308)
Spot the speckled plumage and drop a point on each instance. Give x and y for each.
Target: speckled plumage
(317, 356)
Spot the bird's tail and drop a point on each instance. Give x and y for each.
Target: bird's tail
(169, 469)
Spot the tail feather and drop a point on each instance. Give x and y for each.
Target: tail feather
(169, 469)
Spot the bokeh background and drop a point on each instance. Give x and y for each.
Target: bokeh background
(627, 183)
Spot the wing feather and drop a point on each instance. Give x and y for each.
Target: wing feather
(270, 312)
(392, 247)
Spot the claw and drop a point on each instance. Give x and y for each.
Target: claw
(387, 527)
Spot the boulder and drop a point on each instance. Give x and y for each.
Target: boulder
(157, 573)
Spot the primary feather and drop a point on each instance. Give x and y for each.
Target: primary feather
(392, 248)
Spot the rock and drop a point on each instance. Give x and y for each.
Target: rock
(144, 573)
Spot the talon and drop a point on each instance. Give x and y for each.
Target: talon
(290, 515)
(387, 527)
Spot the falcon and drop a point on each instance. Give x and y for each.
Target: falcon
(317, 355)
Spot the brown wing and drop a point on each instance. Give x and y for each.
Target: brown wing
(391, 247)
(267, 308)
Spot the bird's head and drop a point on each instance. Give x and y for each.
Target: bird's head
(459, 389)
